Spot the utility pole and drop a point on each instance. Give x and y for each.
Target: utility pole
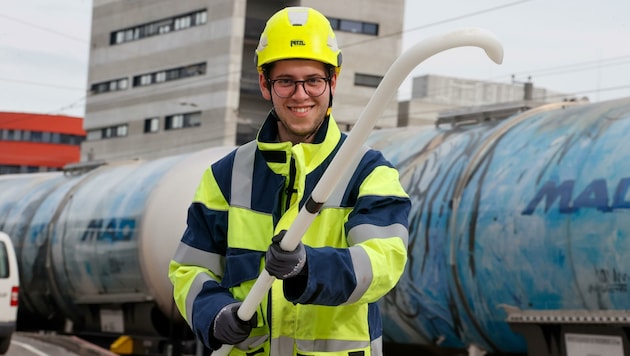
(528, 87)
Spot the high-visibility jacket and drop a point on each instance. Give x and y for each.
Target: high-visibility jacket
(356, 247)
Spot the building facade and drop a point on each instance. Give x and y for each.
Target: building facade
(433, 94)
(38, 143)
(168, 77)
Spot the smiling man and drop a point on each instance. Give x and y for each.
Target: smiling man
(324, 300)
(296, 88)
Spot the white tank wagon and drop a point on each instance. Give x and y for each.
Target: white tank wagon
(94, 246)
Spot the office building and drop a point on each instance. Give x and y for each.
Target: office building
(169, 77)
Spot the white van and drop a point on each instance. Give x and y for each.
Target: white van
(9, 289)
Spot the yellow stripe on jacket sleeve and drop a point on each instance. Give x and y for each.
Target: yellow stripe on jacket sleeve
(209, 194)
(382, 181)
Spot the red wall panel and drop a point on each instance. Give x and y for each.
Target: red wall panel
(37, 154)
(41, 122)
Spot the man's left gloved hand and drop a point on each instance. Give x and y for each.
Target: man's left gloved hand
(228, 328)
(284, 264)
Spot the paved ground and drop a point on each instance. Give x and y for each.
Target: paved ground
(26, 344)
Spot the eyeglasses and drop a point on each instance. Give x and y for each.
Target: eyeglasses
(313, 87)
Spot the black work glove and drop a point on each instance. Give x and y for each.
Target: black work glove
(284, 264)
(228, 328)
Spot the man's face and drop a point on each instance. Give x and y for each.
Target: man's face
(300, 114)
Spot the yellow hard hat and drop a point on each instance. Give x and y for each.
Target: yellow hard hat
(298, 32)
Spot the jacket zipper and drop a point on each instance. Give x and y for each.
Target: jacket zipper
(290, 189)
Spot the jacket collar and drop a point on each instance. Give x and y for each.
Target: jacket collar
(307, 155)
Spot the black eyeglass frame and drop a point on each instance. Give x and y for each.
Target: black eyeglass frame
(295, 85)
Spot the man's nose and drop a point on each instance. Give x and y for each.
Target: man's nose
(300, 90)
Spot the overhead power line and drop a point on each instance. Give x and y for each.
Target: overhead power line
(27, 82)
(82, 40)
(579, 66)
(440, 22)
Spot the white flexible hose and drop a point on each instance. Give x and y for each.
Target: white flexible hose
(348, 152)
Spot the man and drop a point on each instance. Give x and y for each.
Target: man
(354, 252)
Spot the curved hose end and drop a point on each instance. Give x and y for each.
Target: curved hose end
(490, 44)
(495, 53)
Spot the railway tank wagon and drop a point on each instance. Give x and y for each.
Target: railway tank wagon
(512, 222)
(94, 246)
(517, 226)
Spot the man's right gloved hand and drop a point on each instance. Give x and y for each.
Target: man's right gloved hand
(284, 264)
(228, 328)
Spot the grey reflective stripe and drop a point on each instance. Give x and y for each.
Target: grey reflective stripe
(242, 174)
(335, 197)
(362, 272)
(284, 346)
(188, 255)
(193, 292)
(281, 346)
(252, 342)
(377, 347)
(329, 345)
(364, 232)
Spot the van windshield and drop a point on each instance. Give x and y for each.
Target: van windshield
(4, 261)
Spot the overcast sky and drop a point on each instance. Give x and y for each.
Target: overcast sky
(577, 46)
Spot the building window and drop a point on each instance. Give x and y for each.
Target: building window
(151, 124)
(71, 139)
(93, 135)
(366, 28)
(10, 135)
(107, 132)
(182, 23)
(150, 78)
(143, 80)
(110, 85)
(39, 136)
(370, 28)
(367, 80)
(169, 74)
(164, 28)
(160, 77)
(178, 121)
(201, 17)
(121, 130)
(350, 26)
(12, 169)
(159, 27)
(9, 169)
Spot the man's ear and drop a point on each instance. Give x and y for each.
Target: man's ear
(333, 82)
(264, 86)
